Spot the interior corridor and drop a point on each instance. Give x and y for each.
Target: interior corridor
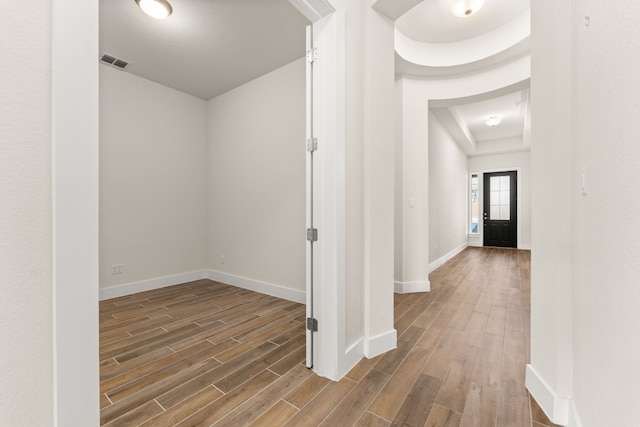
(205, 353)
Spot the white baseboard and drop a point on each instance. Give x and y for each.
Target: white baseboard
(352, 356)
(150, 284)
(241, 282)
(368, 347)
(524, 247)
(258, 286)
(556, 407)
(446, 257)
(411, 287)
(374, 346)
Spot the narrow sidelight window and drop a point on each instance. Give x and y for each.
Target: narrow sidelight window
(475, 207)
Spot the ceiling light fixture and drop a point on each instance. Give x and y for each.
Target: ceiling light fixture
(464, 8)
(493, 121)
(158, 9)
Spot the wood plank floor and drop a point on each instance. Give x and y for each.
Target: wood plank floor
(205, 353)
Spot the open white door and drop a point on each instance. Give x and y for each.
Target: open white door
(321, 173)
(312, 233)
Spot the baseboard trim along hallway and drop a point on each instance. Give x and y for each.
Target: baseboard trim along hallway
(411, 287)
(446, 257)
(559, 409)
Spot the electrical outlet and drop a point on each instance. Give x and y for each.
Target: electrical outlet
(221, 259)
(117, 269)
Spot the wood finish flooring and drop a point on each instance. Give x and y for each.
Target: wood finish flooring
(205, 353)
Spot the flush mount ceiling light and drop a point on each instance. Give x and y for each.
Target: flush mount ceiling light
(463, 8)
(493, 121)
(158, 9)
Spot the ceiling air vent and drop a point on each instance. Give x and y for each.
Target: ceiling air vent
(112, 60)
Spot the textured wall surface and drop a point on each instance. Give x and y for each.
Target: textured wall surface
(551, 195)
(26, 353)
(448, 197)
(153, 179)
(607, 228)
(256, 189)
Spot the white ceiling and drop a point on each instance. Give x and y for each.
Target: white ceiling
(432, 26)
(206, 47)
(465, 120)
(511, 108)
(431, 21)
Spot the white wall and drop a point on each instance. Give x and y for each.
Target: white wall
(26, 354)
(398, 187)
(256, 180)
(585, 362)
(354, 175)
(520, 161)
(153, 179)
(49, 146)
(74, 145)
(378, 158)
(369, 154)
(412, 223)
(550, 374)
(448, 192)
(606, 228)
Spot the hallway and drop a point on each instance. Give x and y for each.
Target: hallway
(204, 353)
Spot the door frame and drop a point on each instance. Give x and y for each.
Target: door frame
(481, 174)
(513, 208)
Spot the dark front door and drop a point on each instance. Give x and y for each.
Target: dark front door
(500, 209)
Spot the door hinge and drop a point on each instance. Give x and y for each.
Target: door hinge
(312, 55)
(312, 324)
(312, 234)
(312, 144)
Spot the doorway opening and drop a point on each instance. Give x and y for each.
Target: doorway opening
(500, 213)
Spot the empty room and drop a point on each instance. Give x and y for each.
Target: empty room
(319, 212)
